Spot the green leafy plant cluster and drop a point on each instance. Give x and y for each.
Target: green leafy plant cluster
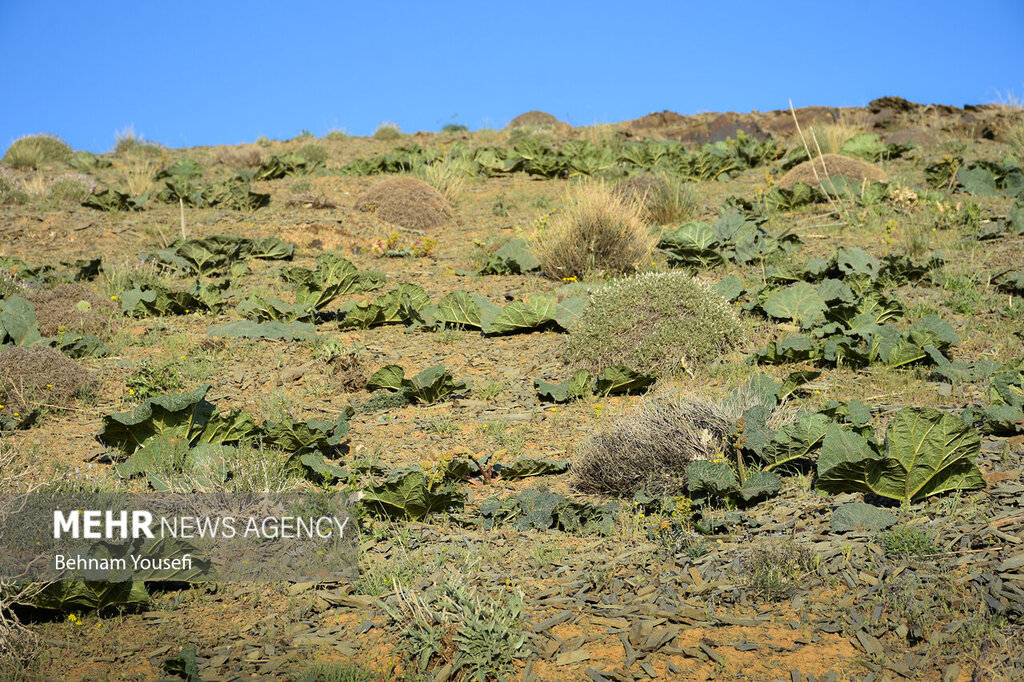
(157, 300)
(315, 288)
(428, 387)
(733, 238)
(109, 199)
(235, 193)
(1005, 414)
(512, 258)
(452, 627)
(614, 380)
(533, 509)
(981, 178)
(48, 276)
(20, 327)
(294, 163)
(865, 146)
(845, 307)
(184, 434)
(536, 157)
(213, 254)
(925, 452)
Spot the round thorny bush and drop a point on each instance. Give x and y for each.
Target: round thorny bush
(71, 308)
(814, 171)
(407, 202)
(663, 322)
(38, 377)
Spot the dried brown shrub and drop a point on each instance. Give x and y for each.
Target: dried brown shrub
(71, 307)
(534, 119)
(832, 165)
(649, 449)
(406, 202)
(245, 156)
(38, 376)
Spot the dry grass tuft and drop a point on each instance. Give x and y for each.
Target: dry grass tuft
(664, 199)
(774, 570)
(136, 172)
(595, 233)
(407, 202)
(387, 131)
(245, 156)
(832, 136)
(534, 119)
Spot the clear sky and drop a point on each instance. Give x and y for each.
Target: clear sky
(187, 73)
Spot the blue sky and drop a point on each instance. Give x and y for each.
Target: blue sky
(189, 73)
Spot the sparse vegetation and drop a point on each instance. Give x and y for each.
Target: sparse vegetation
(774, 570)
(664, 199)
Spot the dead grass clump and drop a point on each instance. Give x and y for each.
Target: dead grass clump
(773, 570)
(650, 448)
(71, 307)
(832, 136)
(830, 166)
(664, 199)
(36, 377)
(407, 202)
(533, 119)
(665, 322)
(594, 233)
(245, 156)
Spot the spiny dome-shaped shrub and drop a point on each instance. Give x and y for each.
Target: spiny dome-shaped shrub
(814, 171)
(407, 202)
(594, 232)
(665, 322)
(32, 151)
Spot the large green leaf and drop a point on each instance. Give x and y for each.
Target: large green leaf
(618, 379)
(523, 316)
(579, 385)
(18, 322)
(927, 453)
(797, 440)
(390, 377)
(408, 495)
(433, 385)
(184, 416)
(799, 302)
